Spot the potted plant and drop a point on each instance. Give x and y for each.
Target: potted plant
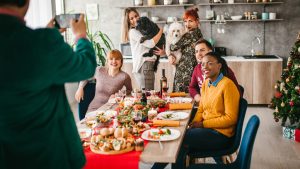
(101, 43)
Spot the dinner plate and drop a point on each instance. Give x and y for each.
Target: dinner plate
(107, 113)
(172, 115)
(173, 136)
(180, 100)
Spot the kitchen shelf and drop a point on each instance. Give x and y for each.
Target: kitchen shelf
(154, 6)
(243, 20)
(164, 22)
(240, 3)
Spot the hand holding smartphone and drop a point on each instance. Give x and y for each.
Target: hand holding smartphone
(63, 20)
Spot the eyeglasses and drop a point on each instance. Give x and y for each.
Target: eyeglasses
(208, 63)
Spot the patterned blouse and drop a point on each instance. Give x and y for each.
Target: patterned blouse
(187, 62)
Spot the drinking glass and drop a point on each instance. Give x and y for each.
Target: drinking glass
(137, 116)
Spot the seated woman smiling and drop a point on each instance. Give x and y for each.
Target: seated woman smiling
(109, 80)
(214, 123)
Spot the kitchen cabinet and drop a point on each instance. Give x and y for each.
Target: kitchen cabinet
(258, 78)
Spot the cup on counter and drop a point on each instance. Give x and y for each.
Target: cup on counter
(272, 15)
(265, 16)
(231, 1)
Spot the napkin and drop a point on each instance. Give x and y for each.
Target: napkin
(178, 94)
(180, 106)
(168, 123)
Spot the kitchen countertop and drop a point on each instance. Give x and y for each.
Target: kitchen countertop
(227, 58)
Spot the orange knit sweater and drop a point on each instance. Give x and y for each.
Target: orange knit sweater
(219, 106)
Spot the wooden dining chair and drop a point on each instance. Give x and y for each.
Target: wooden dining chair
(243, 160)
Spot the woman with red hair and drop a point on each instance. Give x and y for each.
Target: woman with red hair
(187, 62)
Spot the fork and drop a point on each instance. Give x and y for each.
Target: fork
(160, 145)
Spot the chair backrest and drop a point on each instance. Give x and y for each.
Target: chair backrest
(244, 157)
(241, 88)
(89, 94)
(239, 126)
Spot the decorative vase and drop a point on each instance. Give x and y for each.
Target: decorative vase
(183, 1)
(168, 2)
(151, 2)
(138, 2)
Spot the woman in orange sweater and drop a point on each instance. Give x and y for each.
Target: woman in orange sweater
(214, 123)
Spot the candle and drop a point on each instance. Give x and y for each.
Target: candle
(152, 114)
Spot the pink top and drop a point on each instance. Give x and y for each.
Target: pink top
(198, 79)
(106, 86)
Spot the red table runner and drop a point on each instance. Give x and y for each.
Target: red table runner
(128, 160)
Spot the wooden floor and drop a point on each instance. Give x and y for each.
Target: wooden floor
(271, 150)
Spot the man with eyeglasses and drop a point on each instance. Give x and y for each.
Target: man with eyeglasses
(202, 47)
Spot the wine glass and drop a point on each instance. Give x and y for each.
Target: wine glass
(137, 116)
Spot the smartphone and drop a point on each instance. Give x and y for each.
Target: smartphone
(63, 20)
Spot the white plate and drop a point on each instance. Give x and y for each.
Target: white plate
(173, 136)
(173, 115)
(108, 113)
(180, 100)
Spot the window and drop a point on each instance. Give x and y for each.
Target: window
(41, 11)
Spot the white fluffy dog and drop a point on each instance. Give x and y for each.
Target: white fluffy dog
(175, 32)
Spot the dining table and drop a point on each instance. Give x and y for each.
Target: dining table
(154, 151)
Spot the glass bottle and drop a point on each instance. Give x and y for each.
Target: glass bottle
(163, 82)
(144, 97)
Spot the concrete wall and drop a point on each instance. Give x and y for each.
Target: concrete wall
(279, 36)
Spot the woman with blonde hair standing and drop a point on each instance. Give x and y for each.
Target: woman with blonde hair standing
(142, 67)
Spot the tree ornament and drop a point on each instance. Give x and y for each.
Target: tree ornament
(276, 120)
(282, 84)
(289, 65)
(299, 49)
(285, 91)
(278, 94)
(289, 60)
(292, 103)
(276, 109)
(282, 104)
(287, 79)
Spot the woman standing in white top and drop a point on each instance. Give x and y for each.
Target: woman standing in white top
(142, 66)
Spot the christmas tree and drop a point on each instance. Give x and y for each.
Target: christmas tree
(286, 100)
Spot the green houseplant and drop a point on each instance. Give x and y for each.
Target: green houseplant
(101, 43)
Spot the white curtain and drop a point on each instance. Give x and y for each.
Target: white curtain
(39, 13)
